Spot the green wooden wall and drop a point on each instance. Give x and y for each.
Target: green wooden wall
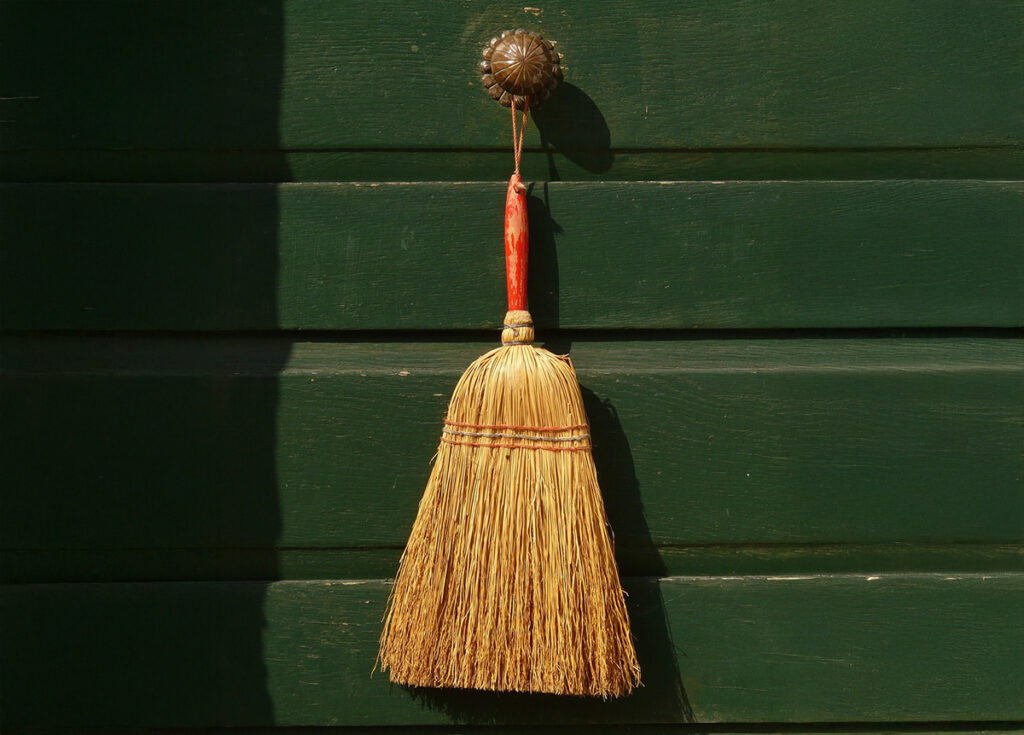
(248, 246)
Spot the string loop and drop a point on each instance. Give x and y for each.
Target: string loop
(517, 140)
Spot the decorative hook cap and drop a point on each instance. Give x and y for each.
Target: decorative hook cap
(518, 64)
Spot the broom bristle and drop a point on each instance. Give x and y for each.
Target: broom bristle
(508, 581)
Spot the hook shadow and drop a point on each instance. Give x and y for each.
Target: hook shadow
(571, 123)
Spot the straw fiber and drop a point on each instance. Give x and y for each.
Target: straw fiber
(508, 581)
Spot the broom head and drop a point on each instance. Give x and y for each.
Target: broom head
(508, 581)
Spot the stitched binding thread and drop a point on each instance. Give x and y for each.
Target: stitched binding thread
(531, 437)
(580, 448)
(511, 427)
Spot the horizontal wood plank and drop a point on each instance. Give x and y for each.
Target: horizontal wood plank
(843, 648)
(651, 74)
(242, 443)
(884, 728)
(428, 255)
(25, 566)
(493, 165)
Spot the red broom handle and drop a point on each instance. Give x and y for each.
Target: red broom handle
(517, 243)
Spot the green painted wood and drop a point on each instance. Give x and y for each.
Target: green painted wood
(428, 255)
(648, 74)
(493, 165)
(886, 728)
(179, 443)
(874, 728)
(198, 564)
(829, 466)
(842, 648)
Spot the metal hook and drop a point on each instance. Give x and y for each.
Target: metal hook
(518, 64)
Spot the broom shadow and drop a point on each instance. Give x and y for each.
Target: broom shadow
(542, 275)
(662, 698)
(638, 558)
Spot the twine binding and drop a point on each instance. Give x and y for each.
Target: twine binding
(530, 437)
(489, 433)
(512, 427)
(489, 445)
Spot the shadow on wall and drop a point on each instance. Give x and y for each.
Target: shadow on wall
(571, 124)
(542, 278)
(137, 461)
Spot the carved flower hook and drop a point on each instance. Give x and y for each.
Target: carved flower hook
(518, 64)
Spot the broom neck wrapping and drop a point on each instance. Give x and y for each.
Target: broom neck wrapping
(517, 243)
(518, 328)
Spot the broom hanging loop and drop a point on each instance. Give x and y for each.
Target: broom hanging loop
(518, 136)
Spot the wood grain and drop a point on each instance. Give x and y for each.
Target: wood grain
(428, 256)
(844, 648)
(242, 443)
(650, 74)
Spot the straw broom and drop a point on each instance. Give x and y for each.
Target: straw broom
(508, 581)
